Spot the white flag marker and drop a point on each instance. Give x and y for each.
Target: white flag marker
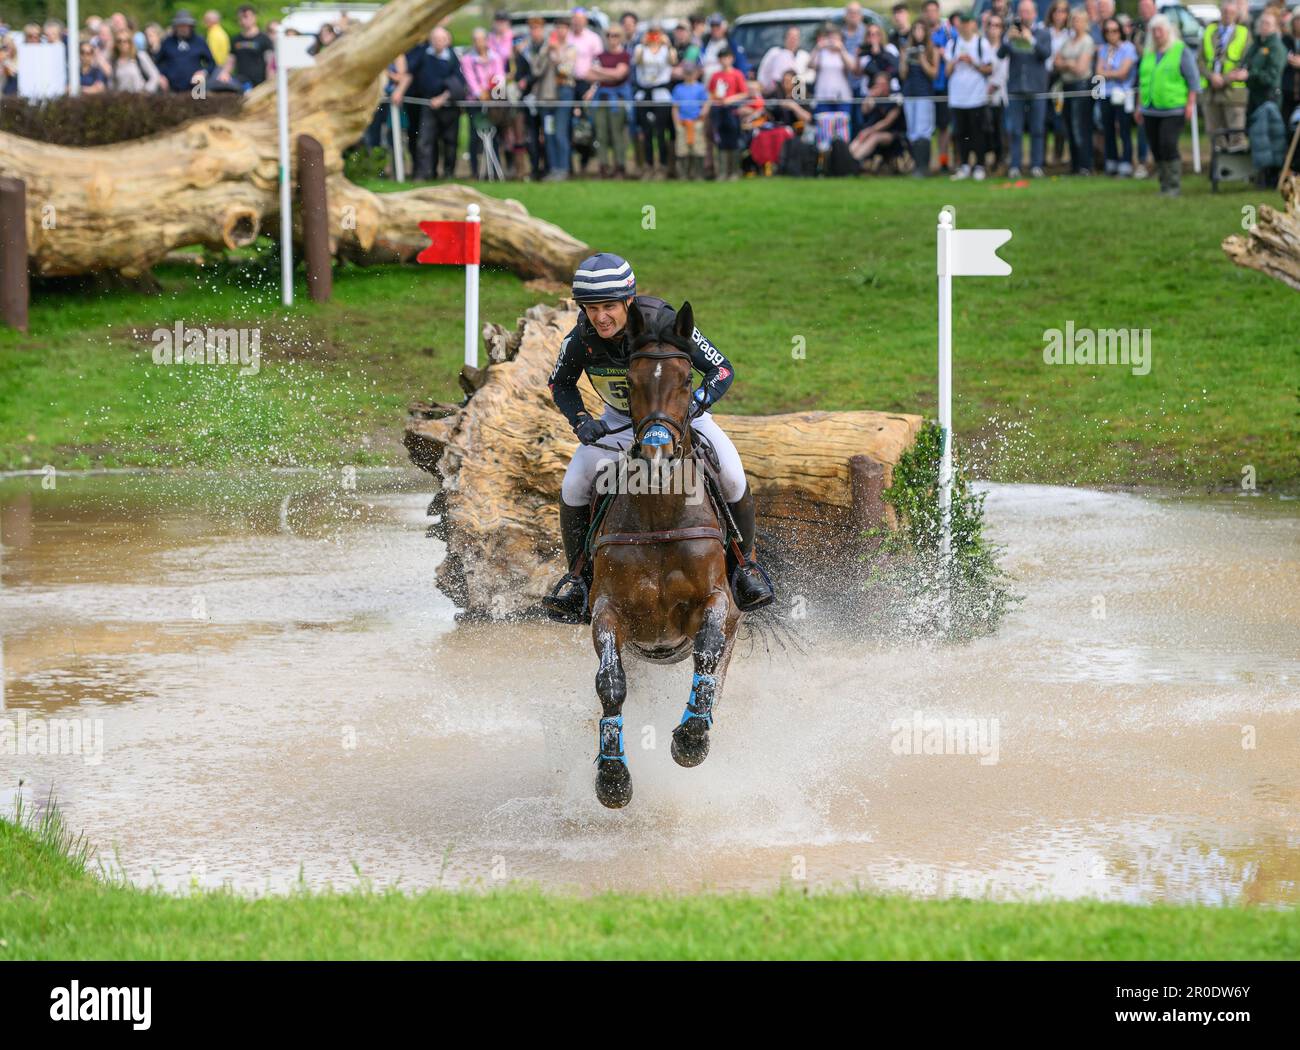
(290, 53)
(962, 253)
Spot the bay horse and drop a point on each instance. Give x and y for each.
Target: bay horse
(659, 584)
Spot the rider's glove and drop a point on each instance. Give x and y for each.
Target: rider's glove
(699, 403)
(591, 430)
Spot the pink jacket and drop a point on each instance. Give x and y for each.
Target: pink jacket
(481, 72)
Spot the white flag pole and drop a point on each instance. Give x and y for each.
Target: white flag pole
(945, 235)
(471, 301)
(1196, 141)
(74, 48)
(286, 206)
(399, 147)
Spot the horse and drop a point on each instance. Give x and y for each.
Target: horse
(659, 575)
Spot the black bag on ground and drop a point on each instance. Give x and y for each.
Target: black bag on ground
(798, 158)
(839, 161)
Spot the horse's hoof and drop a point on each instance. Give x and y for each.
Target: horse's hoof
(690, 744)
(613, 783)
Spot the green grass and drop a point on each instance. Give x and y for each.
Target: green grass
(52, 907)
(846, 266)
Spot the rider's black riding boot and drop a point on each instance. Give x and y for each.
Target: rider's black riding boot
(567, 603)
(749, 582)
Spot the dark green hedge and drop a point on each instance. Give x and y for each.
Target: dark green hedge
(99, 120)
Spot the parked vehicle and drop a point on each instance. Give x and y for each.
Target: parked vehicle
(761, 31)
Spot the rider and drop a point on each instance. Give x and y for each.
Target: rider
(605, 289)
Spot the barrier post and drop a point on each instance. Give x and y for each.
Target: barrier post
(14, 289)
(315, 218)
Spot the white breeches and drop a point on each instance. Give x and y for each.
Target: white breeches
(586, 462)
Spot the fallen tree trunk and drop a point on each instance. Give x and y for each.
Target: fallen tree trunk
(500, 457)
(214, 181)
(1273, 244)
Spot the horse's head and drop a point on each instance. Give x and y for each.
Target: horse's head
(659, 386)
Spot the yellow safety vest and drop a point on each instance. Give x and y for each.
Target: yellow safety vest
(1232, 54)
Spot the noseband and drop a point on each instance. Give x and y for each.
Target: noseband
(678, 426)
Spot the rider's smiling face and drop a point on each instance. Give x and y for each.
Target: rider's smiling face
(607, 318)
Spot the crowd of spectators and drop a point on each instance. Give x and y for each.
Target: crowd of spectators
(118, 55)
(1092, 91)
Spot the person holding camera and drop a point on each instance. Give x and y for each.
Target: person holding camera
(918, 65)
(1027, 47)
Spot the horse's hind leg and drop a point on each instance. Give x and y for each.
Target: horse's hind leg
(613, 779)
(690, 744)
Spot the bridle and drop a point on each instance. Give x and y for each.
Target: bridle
(679, 427)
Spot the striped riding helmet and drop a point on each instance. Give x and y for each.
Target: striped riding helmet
(603, 277)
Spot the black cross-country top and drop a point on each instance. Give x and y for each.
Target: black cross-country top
(605, 362)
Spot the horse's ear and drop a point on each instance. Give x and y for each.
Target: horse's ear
(684, 326)
(635, 321)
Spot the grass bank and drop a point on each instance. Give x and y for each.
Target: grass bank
(51, 907)
(843, 269)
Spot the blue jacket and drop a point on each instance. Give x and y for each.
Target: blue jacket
(942, 36)
(179, 60)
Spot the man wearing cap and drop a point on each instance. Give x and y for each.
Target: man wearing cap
(717, 39)
(605, 289)
(184, 59)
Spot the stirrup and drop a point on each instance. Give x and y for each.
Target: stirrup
(759, 586)
(564, 608)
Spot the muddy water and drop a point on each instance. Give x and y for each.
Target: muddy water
(283, 694)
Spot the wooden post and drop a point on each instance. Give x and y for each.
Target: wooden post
(867, 485)
(315, 218)
(14, 293)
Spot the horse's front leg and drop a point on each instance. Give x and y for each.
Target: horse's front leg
(690, 744)
(613, 779)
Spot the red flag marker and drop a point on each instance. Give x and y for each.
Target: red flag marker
(458, 244)
(454, 243)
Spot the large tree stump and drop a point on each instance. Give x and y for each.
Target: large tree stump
(501, 456)
(1273, 245)
(214, 181)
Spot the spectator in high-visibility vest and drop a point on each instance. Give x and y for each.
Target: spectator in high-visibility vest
(1167, 84)
(1223, 75)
